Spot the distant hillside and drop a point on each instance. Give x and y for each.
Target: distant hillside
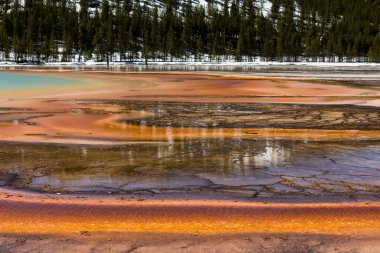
(190, 30)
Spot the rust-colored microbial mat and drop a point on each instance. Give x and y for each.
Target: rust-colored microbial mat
(22, 215)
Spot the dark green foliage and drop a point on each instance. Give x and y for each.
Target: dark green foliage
(292, 30)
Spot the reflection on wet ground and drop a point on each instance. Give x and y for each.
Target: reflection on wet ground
(198, 169)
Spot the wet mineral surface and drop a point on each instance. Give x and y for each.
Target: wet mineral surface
(198, 168)
(156, 135)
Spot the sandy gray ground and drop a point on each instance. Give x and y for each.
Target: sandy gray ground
(138, 243)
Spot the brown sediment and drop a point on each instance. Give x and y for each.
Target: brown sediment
(23, 214)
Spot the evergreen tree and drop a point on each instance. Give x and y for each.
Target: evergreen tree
(293, 30)
(83, 19)
(374, 51)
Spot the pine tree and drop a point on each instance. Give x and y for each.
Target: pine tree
(97, 39)
(106, 20)
(4, 39)
(83, 33)
(120, 33)
(187, 30)
(146, 32)
(155, 34)
(199, 49)
(374, 51)
(294, 29)
(239, 48)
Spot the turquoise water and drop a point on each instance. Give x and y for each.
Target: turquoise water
(9, 82)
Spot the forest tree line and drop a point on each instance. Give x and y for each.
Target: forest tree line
(172, 30)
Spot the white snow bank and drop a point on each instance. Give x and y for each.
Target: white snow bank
(178, 63)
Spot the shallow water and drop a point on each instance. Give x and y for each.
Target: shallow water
(12, 82)
(204, 168)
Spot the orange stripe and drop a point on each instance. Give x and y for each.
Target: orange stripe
(65, 216)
